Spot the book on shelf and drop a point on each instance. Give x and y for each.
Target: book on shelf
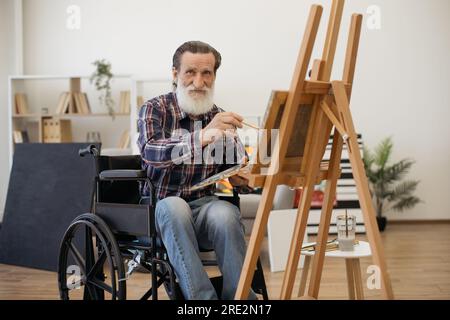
(63, 103)
(125, 102)
(17, 135)
(20, 136)
(140, 101)
(124, 140)
(76, 103)
(86, 103)
(79, 106)
(21, 104)
(79, 100)
(82, 103)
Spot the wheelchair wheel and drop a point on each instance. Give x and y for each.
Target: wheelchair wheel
(90, 265)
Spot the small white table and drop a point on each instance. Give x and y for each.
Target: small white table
(354, 279)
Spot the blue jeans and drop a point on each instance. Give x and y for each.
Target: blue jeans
(207, 223)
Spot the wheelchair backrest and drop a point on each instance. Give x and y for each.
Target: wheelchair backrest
(119, 191)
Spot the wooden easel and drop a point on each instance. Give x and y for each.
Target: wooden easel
(305, 117)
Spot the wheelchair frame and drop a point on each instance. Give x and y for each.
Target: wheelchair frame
(109, 238)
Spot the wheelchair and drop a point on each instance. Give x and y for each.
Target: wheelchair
(97, 246)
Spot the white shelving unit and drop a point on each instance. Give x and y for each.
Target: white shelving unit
(43, 93)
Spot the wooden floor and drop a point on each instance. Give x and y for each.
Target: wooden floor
(418, 258)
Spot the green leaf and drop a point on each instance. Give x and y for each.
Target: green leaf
(368, 161)
(406, 203)
(367, 158)
(383, 152)
(397, 171)
(404, 189)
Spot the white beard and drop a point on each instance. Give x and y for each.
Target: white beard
(194, 106)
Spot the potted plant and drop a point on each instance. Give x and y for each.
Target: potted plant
(102, 80)
(387, 189)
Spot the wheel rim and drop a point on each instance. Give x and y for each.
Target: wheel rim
(88, 271)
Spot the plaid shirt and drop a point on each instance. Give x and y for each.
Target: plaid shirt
(171, 151)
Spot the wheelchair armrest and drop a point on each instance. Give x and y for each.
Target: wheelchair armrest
(123, 175)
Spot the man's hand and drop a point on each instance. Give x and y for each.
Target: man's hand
(238, 181)
(222, 123)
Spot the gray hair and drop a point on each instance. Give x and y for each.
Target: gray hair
(195, 47)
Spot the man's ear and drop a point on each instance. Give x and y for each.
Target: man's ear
(174, 74)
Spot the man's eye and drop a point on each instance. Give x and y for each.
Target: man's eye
(190, 72)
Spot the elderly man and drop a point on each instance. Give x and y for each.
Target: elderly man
(180, 134)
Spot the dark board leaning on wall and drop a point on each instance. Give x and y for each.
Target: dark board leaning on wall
(49, 186)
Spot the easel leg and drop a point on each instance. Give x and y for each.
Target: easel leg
(325, 218)
(350, 278)
(360, 178)
(303, 208)
(296, 242)
(303, 280)
(256, 238)
(358, 279)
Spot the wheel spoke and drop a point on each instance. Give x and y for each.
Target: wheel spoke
(101, 285)
(97, 267)
(91, 291)
(78, 257)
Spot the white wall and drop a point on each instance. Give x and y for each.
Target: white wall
(10, 63)
(402, 77)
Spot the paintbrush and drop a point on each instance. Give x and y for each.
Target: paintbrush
(346, 224)
(251, 125)
(244, 123)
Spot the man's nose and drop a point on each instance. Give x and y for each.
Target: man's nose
(199, 83)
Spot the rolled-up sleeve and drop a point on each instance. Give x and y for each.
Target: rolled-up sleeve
(157, 149)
